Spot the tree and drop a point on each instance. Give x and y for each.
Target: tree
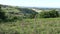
(49, 14)
(54, 13)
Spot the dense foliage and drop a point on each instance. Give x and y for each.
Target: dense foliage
(49, 14)
(2, 14)
(15, 13)
(28, 13)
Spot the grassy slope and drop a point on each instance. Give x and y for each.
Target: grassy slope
(30, 26)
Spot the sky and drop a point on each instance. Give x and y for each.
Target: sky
(32, 3)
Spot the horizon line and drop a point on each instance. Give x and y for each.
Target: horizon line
(30, 6)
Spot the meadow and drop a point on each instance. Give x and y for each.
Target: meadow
(20, 20)
(31, 26)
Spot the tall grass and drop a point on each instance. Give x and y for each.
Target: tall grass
(30, 26)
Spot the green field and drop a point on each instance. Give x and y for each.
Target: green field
(31, 26)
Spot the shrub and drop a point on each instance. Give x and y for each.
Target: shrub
(54, 13)
(2, 14)
(13, 18)
(49, 14)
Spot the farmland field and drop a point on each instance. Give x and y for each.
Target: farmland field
(31, 26)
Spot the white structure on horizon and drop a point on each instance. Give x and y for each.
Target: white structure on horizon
(37, 10)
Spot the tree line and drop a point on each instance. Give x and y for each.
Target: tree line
(28, 13)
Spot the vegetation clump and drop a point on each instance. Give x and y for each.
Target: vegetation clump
(49, 14)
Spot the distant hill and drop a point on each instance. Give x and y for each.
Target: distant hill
(16, 10)
(24, 10)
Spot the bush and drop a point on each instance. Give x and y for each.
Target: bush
(49, 14)
(9, 31)
(13, 18)
(2, 14)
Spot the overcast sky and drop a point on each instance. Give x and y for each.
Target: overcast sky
(32, 3)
